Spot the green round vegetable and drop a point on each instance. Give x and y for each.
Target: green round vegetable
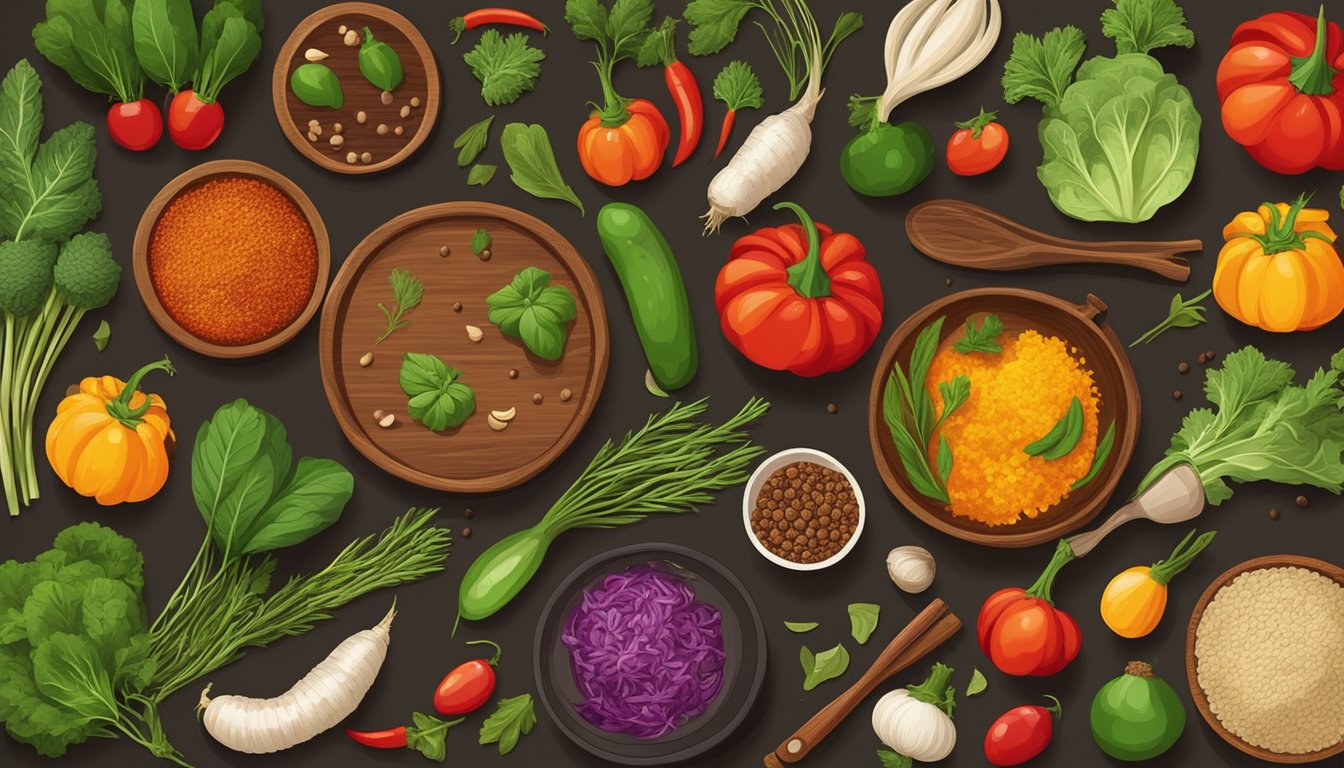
(501, 572)
(86, 272)
(25, 275)
(887, 159)
(379, 63)
(1137, 716)
(317, 86)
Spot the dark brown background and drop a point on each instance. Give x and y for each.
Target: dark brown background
(168, 528)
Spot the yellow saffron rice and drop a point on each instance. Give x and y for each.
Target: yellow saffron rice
(1017, 396)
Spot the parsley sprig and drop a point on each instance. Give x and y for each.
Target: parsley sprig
(1181, 314)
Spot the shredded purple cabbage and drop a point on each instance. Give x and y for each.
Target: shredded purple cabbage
(646, 655)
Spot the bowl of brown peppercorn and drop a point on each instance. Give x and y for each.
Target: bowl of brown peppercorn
(803, 510)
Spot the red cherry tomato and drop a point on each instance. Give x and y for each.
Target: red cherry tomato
(192, 123)
(978, 147)
(137, 125)
(468, 686)
(1021, 733)
(1022, 631)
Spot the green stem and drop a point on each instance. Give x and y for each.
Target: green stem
(7, 446)
(1056, 709)
(935, 689)
(1313, 75)
(494, 660)
(120, 407)
(808, 277)
(1281, 233)
(1164, 570)
(976, 125)
(1041, 589)
(615, 110)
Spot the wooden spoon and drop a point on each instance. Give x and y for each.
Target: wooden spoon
(930, 629)
(964, 234)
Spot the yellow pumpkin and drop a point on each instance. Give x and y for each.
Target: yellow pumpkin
(1278, 269)
(109, 440)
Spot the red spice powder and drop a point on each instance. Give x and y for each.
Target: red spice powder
(233, 261)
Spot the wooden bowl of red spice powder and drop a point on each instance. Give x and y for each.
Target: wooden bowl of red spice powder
(231, 259)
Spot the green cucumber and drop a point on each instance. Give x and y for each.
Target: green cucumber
(655, 291)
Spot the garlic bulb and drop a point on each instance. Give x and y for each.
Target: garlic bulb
(911, 568)
(917, 721)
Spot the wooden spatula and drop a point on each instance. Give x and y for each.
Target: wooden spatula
(964, 234)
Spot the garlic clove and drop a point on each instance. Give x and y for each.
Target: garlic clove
(496, 424)
(314, 54)
(505, 415)
(474, 333)
(911, 568)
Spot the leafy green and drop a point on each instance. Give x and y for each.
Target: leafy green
(437, 398)
(827, 665)
(429, 735)
(863, 620)
(1121, 141)
(507, 67)
(529, 308)
(102, 336)
(471, 142)
(1180, 314)
(253, 496)
(909, 414)
(527, 150)
(165, 41)
(981, 338)
(407, 291)
(738, 86)
(481, 174)
(1263, 427)
(977, 685)
(480, 240)
(800, 627)
(92, 40)
(1099, 457)
(891, 759)
(512, 719)
(230, 42)
(659, 48)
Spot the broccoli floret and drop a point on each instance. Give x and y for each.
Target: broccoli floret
(86, 273)
(25, 275)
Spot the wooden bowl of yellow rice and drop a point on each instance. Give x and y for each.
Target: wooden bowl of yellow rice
(1003, 497)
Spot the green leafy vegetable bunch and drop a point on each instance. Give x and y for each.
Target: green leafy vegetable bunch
(531, 309)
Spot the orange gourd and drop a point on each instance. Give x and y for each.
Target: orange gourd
(109, 440)
(1133, 602)
(1278, 269)
(625, 146)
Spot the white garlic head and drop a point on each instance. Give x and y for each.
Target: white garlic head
(911, 568)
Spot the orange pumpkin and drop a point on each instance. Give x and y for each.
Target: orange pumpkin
(1279, 270)
(629, 146)
(109, 440)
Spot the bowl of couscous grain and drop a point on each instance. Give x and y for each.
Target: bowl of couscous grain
(1004, 417)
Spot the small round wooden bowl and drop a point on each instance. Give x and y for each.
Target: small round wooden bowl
(226, 169)
(1192, 662)
(1082, 326)
(320, 31)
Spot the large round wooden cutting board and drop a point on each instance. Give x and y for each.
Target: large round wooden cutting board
(472, 458)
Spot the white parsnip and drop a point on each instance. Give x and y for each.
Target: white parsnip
(324, 697)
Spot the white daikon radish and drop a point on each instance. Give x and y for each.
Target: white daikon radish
(324, 697)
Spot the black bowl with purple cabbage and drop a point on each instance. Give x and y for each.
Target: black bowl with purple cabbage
(650, 655)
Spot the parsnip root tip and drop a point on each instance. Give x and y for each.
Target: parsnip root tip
(205, 699)
(386, 624)
(714, 220)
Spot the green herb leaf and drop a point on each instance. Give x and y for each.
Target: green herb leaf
(1140, 26)
(527, 149)
(407, 291)
(507, 67)
(480, 240)
(829, 664)
(529, 308)
(230, 42)
(1041, 68)
(312, 499)
(659, 48)
(800, 627)
(512, 719)
(429, 735)
(862, 111)
(982, 338)
(437, 399)
(908, 411)
(955, 393)
(651, 384)
(102, 335)
(94, 43)
(808, 660)
(738, 86)
(480, 175)
(714, 23)
(977, 685)
(1180, 314)
(945, 460)
(893, 760)
(165, 41)
(863, 620)
(1099, 457)
(472, 142)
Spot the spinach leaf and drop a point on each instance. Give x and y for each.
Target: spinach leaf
(863, 620)
(827, 665)
(230, 42)
(437, 398)
(531, 309)
(527, 150)
(512, 719)
(165, 41)
(311, 500)
(93, 41)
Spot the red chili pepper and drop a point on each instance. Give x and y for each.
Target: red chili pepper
(1021, 734)
(505, 16)
(469, 685)
(393, 738)
(684, 90)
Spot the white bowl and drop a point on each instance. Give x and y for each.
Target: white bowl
(768, 468)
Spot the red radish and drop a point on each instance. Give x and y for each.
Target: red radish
(1021, 733)
(739, 88)
(137, 126)
(192, 123)
(469, 685)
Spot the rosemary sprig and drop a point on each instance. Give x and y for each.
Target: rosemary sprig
(1181, 314)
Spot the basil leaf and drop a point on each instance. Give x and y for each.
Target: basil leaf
(863, 619)
(165, 41)
(800, 626)
(527, 149)
(312, 500)
(978, 683)
(827, 665)
(533, 311)
(480, 175)
(437, 399)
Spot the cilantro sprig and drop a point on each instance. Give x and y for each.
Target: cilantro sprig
(506, 66)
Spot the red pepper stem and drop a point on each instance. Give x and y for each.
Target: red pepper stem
(120, 407)
(1041, 589)
(808, 277)
(1313, 74)
(494, 660)
(1057, 709)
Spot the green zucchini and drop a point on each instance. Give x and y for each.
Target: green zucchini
(655, 291)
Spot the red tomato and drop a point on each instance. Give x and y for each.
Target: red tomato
(629, 150)
(1282, 91)
(192, 123)
(978, 147)
(799, 298)
(137, 125)
(468, 686)
(1021, 630)
(1021, 733)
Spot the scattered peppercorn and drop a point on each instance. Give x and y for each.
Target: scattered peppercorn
(513, 373)
(466, 533)
(805, 513)
(566, 394)
(485, 254)
(1176, 395)
(457, 306)
(832, 408)
(1183, 368)
(444, 250)
(1273, 514)
(949, 281)
(1202, 359)
(536, 399)
(1210, 355)
(1301, 501)
(468, 513)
